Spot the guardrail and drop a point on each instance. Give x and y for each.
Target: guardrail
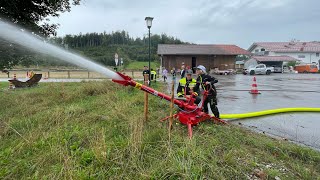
(65, 73)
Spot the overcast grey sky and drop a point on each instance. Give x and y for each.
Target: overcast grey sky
(239, 22)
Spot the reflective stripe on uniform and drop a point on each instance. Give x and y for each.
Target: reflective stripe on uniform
(180, 93)
(202, 85)
(183, 83)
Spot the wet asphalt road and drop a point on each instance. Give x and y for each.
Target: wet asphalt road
(282, 91)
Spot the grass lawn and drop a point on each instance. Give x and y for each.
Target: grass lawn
(96, 130)
(138, 65)
(4, 85)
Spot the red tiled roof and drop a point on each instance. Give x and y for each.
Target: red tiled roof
(274, 58)
(288, 46)
(233, 49)
(214, 49)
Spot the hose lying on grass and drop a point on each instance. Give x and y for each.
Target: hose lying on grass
(268, 112)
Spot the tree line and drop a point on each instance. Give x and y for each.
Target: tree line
(114, 38)
(101, 47)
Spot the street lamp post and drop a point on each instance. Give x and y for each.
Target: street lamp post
(149, 24)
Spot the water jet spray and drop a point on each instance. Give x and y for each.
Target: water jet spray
(16, 35)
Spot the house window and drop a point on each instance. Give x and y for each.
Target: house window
(317, 54)
(301, 56)
(257, 50)
(263, 49)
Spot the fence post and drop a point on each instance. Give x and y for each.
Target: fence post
(69, 74)
(88, 74)
(48, 74)
(171, 109)
(146, 79)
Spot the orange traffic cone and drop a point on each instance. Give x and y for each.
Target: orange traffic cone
(254, 87)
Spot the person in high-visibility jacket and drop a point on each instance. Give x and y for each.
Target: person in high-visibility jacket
(153, 75)
(186, 87)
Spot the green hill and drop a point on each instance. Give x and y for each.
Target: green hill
(99, 47)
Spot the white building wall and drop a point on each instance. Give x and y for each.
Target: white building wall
(257, 49)
(308, 57)
(272, 54)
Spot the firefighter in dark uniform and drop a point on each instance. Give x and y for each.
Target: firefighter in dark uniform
(145, 71)
(186, 86)
(206, 82)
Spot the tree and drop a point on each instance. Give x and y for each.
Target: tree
(30, 14)
(101, 46)
(11, 54)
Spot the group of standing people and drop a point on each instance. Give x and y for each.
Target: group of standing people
(204, 82)
(190, 86)
(173, 72)
(153, 75)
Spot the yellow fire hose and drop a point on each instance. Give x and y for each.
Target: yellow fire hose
(268, 112)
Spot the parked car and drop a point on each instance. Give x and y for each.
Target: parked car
(306, 68)
(258, 69)
(223, 72)
(278, 69)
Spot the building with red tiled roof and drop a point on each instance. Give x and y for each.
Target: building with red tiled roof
(274, 58)
(307, 52)
(280, 63)
(211, 56)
